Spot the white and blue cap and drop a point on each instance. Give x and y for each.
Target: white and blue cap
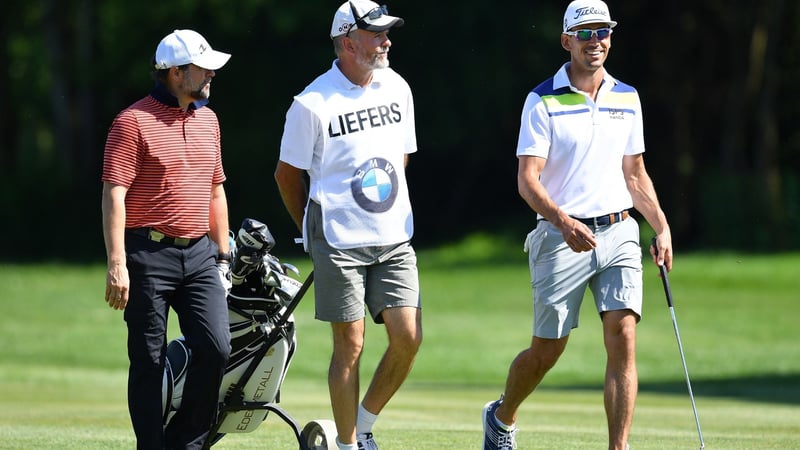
(362, 14)
(582, 12)
(183, 47)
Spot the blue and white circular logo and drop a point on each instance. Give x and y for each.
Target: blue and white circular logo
(374, 185)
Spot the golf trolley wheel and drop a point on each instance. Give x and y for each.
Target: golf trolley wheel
(320, 435)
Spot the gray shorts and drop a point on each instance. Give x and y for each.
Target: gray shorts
(345, 281)
(559, 276)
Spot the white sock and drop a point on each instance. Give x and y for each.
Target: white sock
(501, 424)
(497, 420)
(365, 420)
(353, 446)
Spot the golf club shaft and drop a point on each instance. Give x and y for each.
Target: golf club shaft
(668, 293)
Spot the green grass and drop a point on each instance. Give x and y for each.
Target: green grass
(63, 363)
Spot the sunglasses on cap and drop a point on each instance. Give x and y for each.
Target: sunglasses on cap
(374, 13)
(586, 35)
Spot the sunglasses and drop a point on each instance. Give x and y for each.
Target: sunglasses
(374, 13)
(587, 35)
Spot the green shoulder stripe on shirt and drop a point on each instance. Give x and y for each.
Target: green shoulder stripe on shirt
(571, 99)
(565, 104)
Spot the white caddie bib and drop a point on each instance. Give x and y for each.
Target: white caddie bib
(356, 157)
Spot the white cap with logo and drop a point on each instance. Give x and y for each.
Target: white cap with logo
(183, 47)
(363, 14)
(581, 12)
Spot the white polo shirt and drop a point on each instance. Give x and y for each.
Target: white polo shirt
(352, 140)
(583, 141)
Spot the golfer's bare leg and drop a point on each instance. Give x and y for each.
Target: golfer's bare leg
(348, 341)
(404, 328)
(526, 372)
(621, 387)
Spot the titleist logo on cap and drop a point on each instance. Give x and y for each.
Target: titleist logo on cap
(589, 10)
(580, 12)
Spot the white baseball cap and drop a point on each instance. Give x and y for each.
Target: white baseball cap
(581, 12)
(188, 47)
(363, 14)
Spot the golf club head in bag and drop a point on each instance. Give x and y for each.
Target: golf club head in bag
(269, 283)
(253, 241)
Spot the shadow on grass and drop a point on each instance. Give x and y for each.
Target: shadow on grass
(783, 388)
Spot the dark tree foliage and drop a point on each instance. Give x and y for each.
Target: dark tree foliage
(714, 78)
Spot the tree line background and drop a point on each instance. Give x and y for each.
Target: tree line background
(716, 78)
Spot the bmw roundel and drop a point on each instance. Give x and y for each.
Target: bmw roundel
(374, 185)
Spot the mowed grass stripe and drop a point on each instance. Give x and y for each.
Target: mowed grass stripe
(418, 418)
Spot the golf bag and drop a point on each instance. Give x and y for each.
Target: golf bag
(260, 305)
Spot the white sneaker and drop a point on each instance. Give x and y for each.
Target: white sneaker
(366, 442)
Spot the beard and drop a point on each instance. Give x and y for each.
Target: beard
(200, 95)
(201, 92)
(379, 62)
(375, 61)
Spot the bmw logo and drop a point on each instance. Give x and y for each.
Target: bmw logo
(374, 185)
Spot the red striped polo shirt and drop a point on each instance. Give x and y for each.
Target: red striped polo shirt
(168, 159)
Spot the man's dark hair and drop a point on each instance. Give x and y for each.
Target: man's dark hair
(161, 74)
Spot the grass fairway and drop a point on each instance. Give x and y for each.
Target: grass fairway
(63, 362)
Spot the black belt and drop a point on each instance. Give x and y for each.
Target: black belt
(602, 221)
(157, 236)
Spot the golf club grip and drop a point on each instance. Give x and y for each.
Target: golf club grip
(664, 278)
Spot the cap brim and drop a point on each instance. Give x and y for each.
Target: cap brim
(212, 60)
(383, 23)
(610, 23)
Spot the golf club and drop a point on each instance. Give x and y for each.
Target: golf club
(668, 292)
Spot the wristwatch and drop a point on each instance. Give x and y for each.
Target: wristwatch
(224, 257)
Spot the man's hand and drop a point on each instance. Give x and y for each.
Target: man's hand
(577, 235)
(661, 250)
(117, 286)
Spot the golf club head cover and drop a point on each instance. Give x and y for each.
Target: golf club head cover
(253, 241)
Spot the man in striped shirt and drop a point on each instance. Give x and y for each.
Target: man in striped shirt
(165, 224)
